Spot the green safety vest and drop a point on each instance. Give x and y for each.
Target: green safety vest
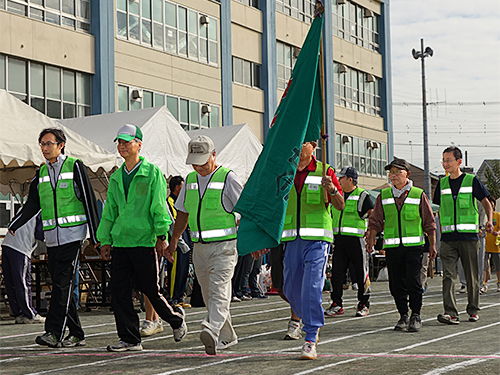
(60, 206)
(458, 214)
(208, 219)
(315, 221)
(348, 221)
(402, 227)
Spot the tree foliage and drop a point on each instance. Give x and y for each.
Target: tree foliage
(493, 178)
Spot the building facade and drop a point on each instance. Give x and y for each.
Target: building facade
(212, 63)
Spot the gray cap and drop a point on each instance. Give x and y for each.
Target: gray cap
(199, 150)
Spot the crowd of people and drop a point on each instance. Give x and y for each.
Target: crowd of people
(141, 226)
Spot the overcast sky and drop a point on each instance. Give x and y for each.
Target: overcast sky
(465, 37)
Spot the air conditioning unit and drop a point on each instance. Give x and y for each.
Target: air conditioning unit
(206, 109)
(374, 145)
(204, 20)
(341, 2)
(368, 13)
(296, 52)
(137, 95)
(368, 144)
(343, 68)
(370, 77)
(346, 139)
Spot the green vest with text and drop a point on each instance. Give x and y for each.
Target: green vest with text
(402, 227)
(458, 214)
(208, 219)
(60, 206)
(347, 222)
(307, 214)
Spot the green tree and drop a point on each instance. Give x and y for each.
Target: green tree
(493, 178)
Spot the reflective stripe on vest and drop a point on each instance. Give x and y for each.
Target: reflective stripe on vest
(352, 230)
(406, 240)
(459, 227)
(214, 233)
(315, 232)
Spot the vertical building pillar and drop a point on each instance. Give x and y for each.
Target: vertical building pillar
(103, 81)
(269, 63)
(386, 88)
(226, 63)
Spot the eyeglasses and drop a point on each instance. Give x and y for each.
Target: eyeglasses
(448, 161)
(48, 144)
(396, 172)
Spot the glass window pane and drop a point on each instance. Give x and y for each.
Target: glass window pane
(69, 92)
(121, 24)
(38, 104)
(135, 104)
(17, 76)
(159, 100)
(133, 7)
(205, 120)
(146, 9)
(203, 50)
(172, 105)
(123, 98)
(170, 14)
(36, 79)
(68, 22)
(214, 117)
(2, 72)
(182, 12)
(184, 109)
(237, 70)
(133, 22)
(147, 100)
(158, 35)
(16, 8)
(171, 39)
(256, 75)
(247, 75)
(193, 22)
(69, 110)
(121, 5)
(193, 46)
(182, 43)
(157, 11)
(194, 113)
(36, 14)
(146, 31)
(83, 88)
(53, 109)
(213, 53)
(54, 4)
(68, 6)
(83, 8)
(53, 82)
(212, 29)
(52, 18)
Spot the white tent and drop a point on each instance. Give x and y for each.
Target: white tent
(20, 154)
(164, 140)
(236, 146)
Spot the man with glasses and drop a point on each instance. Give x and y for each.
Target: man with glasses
(135, 223)
(404, 214)
(62, 191)
(456, 195)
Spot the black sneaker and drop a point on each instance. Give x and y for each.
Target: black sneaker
(48, 339)
(415, 323)
(402, 324)
(71, 341)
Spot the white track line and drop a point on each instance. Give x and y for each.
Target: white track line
(458, 366)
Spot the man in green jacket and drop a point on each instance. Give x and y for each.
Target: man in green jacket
(135, 222)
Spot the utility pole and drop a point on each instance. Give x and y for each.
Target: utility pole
(422, 54)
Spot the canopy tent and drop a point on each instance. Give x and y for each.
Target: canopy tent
(164, 140)
(236, 146)
(20, 156)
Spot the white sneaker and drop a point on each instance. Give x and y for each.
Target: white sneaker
(36, 319)
(483, 289)
(462, 289)
(221, 345)
(294, 331)
(309, 350)
(355, 286)
(209, 340)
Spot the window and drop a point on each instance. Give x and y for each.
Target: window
(368, 157)
(169, 27)
(302, 10)
(250, 3)
(356, 90)
(73, 14)
(190, 113)
(56, 92)
(246, 72)
(356, 24)
(286, 62)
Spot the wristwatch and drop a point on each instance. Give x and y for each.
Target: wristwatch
(162, 237)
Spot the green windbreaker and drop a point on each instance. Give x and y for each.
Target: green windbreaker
(139, 219)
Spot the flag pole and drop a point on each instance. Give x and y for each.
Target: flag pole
(324, 136)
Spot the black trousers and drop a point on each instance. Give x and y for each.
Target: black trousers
(404, 265)
(348, 249)
(62, 311)
(141, 264)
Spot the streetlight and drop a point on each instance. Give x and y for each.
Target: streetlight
(422, 54)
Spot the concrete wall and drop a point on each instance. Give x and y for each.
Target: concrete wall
(39, 41)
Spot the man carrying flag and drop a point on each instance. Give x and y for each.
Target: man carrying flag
(307, 236)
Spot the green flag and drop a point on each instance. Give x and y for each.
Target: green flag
(298, 119)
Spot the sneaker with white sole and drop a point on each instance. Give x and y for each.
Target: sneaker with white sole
(334, 309)
(309, 350)
(181, 332)
(147, 328)
(19, 319)
(221, 345)
(36, 319)
(48, 339)
(402, 324)
(122, 346)
(484, 289)
(362, 311)
(473, 318)
(235, 299)
(415, 323)
(72, 341)
(448, 319)
(462, 289)
(355, 286)
(209, 340)
(293, 332)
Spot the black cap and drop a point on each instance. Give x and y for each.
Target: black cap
(399, 164)
(348, 172)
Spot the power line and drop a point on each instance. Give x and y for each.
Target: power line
(445, 145)
(446, 103)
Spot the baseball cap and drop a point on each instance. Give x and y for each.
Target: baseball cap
(348, 172)
(128, 132)
(399, 164)
(199, 150)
